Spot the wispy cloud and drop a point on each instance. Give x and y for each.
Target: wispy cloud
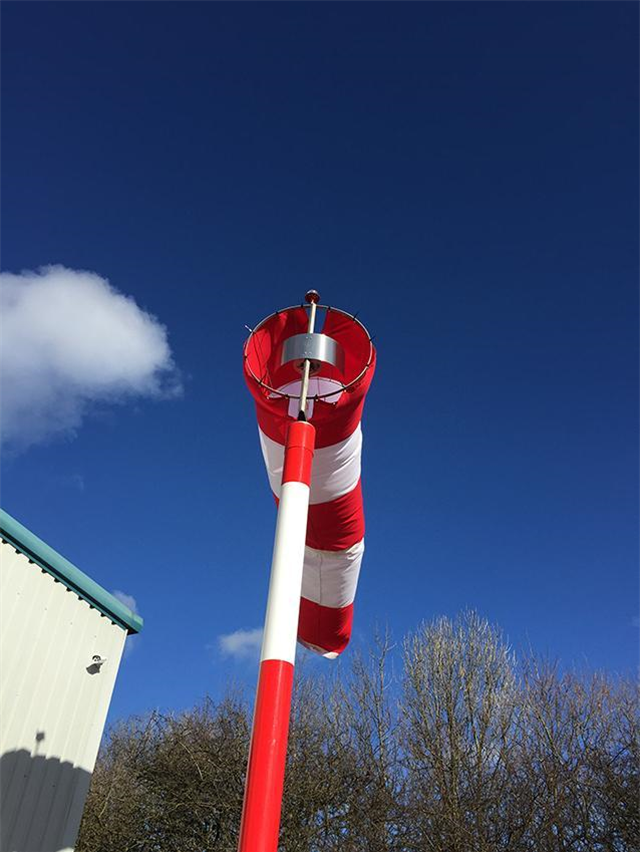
(71, 341)
(130, 601)
(127, 600)
(241, 644)
(74, 481)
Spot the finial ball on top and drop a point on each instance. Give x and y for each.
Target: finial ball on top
(312, 296)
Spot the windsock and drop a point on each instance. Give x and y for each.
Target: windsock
(337, 391)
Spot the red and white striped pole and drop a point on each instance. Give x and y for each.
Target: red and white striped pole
(260, 825)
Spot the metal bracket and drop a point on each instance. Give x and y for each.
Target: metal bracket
(317, 348)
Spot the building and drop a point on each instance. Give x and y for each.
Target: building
(61, 641)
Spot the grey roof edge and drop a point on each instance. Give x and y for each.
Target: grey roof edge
(53, 563)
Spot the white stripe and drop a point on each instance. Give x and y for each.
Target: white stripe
(330, 577)
(283, 603)
(336, 469)
(328, 655)
(318, 386)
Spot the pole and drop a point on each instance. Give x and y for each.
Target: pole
(312, 298)
(260, 824)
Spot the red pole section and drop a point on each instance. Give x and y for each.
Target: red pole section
(260, 824)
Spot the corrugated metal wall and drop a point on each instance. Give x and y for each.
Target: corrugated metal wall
(53, 704)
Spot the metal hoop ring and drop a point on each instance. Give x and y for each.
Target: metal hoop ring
(326, 308)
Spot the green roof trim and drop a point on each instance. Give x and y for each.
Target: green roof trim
(60, 568)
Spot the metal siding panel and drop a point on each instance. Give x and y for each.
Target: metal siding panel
(49, 636)
(54, 563)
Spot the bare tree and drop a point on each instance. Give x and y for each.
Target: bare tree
(465, 751)
(344, 778)
(579, 739)
(460, 710)
(616, 770)
(363, 717)
(169, 782)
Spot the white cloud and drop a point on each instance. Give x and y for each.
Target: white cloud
(241, 644)
(127, 600)
(69, 341)
(130, 601)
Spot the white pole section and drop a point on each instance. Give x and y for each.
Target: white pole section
(312, 298)
(260, 824)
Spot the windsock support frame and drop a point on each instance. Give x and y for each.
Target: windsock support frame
(260, 823)
(319, 307)
(306, 354)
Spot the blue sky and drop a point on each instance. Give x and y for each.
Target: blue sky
(463, 175)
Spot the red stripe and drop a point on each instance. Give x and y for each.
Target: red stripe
(334, 423)
(260, 824)
(298, 453)
(337, 525)
(325, 627)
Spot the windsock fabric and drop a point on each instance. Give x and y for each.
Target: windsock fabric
(335, 528)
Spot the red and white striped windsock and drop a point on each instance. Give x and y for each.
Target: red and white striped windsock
(335, 527)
